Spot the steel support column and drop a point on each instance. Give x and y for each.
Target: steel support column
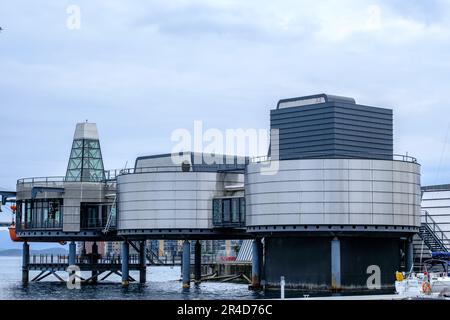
(142, 262)
(72, 253)
(256, 264)
(335, 264)
(409, 254)
(125, 259)
(25, 262)
(186, 264)
(198, 262)
(94, 262)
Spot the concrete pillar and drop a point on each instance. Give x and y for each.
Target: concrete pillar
(25, 262)
(409, 254)
(198, 262)
(125, 252)
(186, 264)
(335, 264)
(72, 253)
(94, 262)
(142, 262)
(256, 264)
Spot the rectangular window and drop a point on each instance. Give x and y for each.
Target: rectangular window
(226, 210)
(235, 210)
(242, 210)
(41, 214)
(217, 211)
(95, 215)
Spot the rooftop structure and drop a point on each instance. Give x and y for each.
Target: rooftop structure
(325, 126)
(85, 162)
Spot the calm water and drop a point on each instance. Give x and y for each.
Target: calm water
(162, 283)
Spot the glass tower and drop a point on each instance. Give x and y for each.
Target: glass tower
(85, 162)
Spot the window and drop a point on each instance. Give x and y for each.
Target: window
(235, 210)
(85, 163)
(229, 212)
(226, 210)
(242, 209)
(95, 215)
(217, 211)
(39, 214)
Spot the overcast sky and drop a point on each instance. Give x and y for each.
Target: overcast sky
(141, 69)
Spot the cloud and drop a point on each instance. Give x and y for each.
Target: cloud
(142, 69)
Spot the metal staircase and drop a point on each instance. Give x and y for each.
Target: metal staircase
(111, 217)
(432, 235)
(153, 258)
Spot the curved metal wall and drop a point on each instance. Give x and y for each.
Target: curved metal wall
(74, 194)
(163, 200)
(334, 192)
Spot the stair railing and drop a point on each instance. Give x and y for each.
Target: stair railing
(435, 230)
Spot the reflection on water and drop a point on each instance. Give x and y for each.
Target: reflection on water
(162, 283)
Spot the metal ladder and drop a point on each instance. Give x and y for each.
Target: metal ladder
(112, 213)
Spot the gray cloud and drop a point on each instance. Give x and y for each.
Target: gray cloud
(142, 69)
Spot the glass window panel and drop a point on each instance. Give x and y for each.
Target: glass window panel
(235, 210)
(217, 211)
(94, 144)
(76, 153)
(74, 164)
(93, 153)
(85, 155)
(242, 209)
(77, 144)
(226, 210)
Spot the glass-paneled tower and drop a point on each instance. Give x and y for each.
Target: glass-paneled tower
(85, 162)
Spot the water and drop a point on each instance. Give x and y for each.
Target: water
(162, 283)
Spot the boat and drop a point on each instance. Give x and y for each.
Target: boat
(12, 233)
(433, 282)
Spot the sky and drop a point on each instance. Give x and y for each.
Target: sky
(141, 69)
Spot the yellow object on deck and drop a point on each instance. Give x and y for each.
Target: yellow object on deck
(399, 276)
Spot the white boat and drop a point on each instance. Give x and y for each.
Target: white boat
(431, 283)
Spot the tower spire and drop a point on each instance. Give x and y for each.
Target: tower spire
(85, 162)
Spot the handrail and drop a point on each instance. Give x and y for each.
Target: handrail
(343, 155)
(436, 230)
(41, 179)
(108, 176)
(178, 168)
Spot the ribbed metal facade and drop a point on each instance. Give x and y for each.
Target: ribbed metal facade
(334, 191)
(332, 128)
(436, 201)
(170, 199)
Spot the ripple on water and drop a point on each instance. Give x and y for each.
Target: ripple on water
(162, 284)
